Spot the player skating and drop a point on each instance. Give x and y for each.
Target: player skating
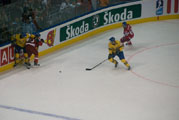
(116, 48)
(128, 34)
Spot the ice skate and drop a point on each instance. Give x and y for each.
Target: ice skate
(28, 64)
(129, 43)
(129, 68)
(36, 64)
(116, 64)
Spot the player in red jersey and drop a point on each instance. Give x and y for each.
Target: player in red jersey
(32, 47)
(128, 34)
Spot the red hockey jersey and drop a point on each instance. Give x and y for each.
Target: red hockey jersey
(128, 31)
(34, 43)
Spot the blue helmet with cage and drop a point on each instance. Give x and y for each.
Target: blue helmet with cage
(124, 24)
(22, 35)
(112, 39)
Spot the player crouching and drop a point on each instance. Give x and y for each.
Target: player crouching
(115, 48)
(19, 41)
(32, 47)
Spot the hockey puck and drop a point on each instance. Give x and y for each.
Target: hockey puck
(60, 71)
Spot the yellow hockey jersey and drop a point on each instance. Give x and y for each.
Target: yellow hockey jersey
(20, 41)
(116, 47)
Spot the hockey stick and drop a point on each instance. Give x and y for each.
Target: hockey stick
(88, 69)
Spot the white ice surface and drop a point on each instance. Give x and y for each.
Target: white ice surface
(150, 91)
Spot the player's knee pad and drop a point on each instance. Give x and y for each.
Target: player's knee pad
(25, 55)
(17, 56)
(27, 59)
(125, 62)
(110, 59)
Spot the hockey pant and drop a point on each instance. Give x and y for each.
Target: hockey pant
(18, 51)
(32, 50)
(126, 39)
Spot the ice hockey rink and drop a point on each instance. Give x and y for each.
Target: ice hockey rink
(61, 88)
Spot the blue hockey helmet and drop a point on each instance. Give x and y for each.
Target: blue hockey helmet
(112, 39)
(124, 24)
(22, 35)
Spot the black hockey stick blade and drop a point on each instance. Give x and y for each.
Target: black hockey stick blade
(88, 69)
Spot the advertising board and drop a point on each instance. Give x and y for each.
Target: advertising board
(95, 22)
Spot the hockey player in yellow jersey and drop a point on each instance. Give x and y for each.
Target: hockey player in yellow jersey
(116, 48)
(19, 41)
